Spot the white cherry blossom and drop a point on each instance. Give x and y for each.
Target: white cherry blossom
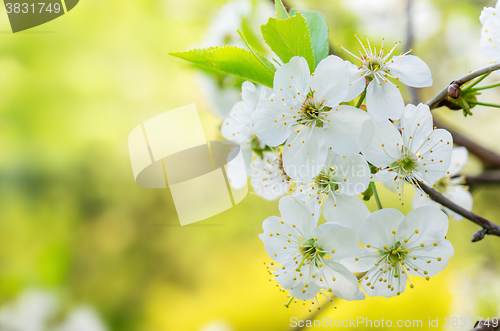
(397, 246)
(335, 188)
(419, 154)
(306, 116)
(238, 127)
(376, 68)
(451, 186)
(307, 256)
(268, 179)
(490, 33)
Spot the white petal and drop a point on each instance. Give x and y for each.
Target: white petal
(384, 101)
(275, 245)
(358, 82)
(305, 153)
(410, 70)
(433, 165)
(460, 196)
(237, 173)
(490, 39)
(331, 81)
(444, 250)
(295, 213)
(267, 179)
(238, 126)
(380, 143)
(337, 237)
(459, 159)
(344, 128)
(285, 278)
(362, 261)
(377, 228)
(417, 124)
(346, 210)
(351, 171)
(291, 80)
(345, 285)
(381, 289)
(487, 13)
(431, 224)
(310, 197)
(269, 122)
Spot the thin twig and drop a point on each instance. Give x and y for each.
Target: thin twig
(436, 100)
(488, 227)
(484, 178)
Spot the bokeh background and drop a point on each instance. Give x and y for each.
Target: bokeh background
(75, 229)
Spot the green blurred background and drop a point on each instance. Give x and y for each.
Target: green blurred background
(73, 221)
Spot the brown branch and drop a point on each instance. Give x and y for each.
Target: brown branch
(490, 159)
(486, 326)
(484, 178)
(488, 227)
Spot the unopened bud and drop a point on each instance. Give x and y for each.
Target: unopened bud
(454, 91)
(479, 235)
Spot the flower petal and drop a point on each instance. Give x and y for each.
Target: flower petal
(305, 153)
(358, 82)
(377, 228)
(331, 81)
(346, 210)
(291, 80)
(351, 171)
(386, 289)
(344, 127)
(275, 245)
(339, 241)
(420, 200)
(237, 173)
(435, 156)
(267, 179)
(293, 212)
(490, 39)
(339, 279)
(380, 143)
(238, 126)
(425, 225)
(459, 159)
(384, 101)
(416, 126)
(438, 257)
(460, 196)
(410, 70)
(272, 122)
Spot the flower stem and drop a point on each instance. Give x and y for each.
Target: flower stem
(361, 98)
(483, 87)
(375, 194)
(476, 82)
(483, 104)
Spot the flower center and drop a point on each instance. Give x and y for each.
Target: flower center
(395, 256)
(326, 181)
(311, 111)
(310, 252)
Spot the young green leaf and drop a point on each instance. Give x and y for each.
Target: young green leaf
(281, 12)
(318, 29)
(230, 60)
(261, 58)
(289, 38)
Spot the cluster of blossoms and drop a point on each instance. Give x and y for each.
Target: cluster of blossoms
(325, 133)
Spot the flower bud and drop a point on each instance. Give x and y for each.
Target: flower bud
(454, 91)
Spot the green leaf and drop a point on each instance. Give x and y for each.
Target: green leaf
(289, 38)
(281, 12)
(318, 29)
(230, 60)
(261, 58)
